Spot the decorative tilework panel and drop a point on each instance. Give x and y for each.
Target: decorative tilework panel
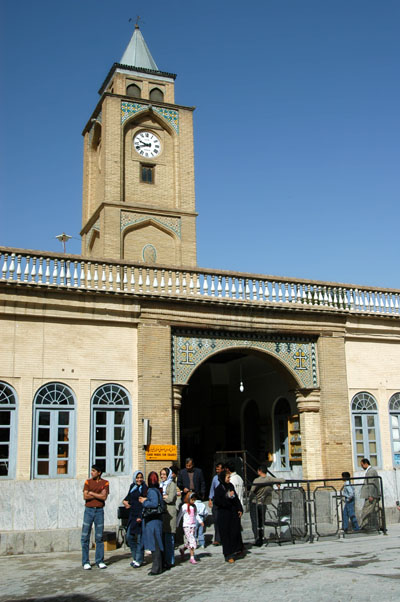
(132, 108)
(191, 348)
(130, 217)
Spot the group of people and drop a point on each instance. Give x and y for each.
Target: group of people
(157, 507)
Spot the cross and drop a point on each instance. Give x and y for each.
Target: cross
(137, 21)
(187, 352)
(300, 358)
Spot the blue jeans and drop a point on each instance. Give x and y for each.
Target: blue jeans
(96, 516)
(349, 514)
(169, 555)
(200, 535)
(135, 543)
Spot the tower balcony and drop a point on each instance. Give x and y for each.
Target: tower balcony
(37, 269)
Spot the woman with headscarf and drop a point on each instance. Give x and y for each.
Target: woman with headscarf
(134, 531)
(168, 491)
(229, 513)
(152, 523)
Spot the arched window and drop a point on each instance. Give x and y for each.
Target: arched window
(133, 91)
(111, 429)
(8, 430)
(394, 412)
(156, 95)
(364, 411)
(54, 431)
(281, 417)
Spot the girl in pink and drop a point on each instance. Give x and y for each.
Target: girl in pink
(190, 518)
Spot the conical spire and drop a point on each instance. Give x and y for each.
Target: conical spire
(137, 53)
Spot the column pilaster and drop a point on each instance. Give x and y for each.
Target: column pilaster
(308, 404)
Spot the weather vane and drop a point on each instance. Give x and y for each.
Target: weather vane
(138, 18)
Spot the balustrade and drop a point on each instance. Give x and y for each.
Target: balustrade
(69, 272)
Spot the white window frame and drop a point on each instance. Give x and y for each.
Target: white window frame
(394, 415)
(9, 403)
(365, 407)
(54, 397)
(111, 398)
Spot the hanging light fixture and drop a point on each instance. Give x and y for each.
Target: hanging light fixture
(241, 385)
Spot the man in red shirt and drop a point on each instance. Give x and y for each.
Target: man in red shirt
(95, 492)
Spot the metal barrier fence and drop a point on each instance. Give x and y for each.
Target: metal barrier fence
(318, 508)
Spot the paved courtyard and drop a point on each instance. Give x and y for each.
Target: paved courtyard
(359, 567)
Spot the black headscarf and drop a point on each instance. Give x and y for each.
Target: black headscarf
(222, 477)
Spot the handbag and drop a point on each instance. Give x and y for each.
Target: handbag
(154, 512)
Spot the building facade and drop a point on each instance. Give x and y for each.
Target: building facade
(302, 374)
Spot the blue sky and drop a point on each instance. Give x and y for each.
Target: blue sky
(296, 126)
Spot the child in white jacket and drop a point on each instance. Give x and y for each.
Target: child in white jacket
(190, 519)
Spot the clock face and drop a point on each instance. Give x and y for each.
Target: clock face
(147, 145)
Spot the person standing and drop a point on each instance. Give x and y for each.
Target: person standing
(214, 484)
(152, 523)
(190, 518)
(191, 479)
(230, 511)
(95, 493)
(168, 491)
(137, 489)
(236, 480)
(349, 504)
(260, 498)
(370, 493)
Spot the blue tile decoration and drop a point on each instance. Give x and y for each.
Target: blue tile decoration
(133, 108)
(170, 115)
(171, 223)
(190, 348)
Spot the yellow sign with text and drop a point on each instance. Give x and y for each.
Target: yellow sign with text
(162, 452)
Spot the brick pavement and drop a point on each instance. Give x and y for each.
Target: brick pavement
(357, 568)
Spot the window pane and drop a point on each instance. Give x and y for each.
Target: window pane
(359, 435)
(3, 469)
(360, 448)
(43, 468)
(373, 461)
(101, 463)
(44, 418)
(62, 467)
(119, 418)
(5, 434)
(119, 433)
(63, 418)
(43, 451)
(44, 435)
(119, 465)
(62, 450)
(371, 434)
(100, 449)
(63, 434)
(100, 434)
(4, 452)
(395, 433)
(372, 448)
(5, 417)
(101, 418)
(394, 420)
(119, 449)
(396, 446)
(371, 420)
(357, 421)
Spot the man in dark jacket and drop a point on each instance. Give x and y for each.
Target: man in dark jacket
(192, 479)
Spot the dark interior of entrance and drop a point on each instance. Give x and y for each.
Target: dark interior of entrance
(238, 400)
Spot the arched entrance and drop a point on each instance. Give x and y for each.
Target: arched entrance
(229, 404)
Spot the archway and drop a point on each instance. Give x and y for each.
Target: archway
(228, 405)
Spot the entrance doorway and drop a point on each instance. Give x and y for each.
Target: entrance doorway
(229, 405)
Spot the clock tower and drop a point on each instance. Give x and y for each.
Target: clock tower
(138, 181)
